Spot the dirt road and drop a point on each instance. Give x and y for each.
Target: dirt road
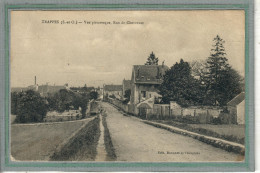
(138, 142)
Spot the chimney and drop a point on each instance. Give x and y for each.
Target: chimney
(34, 80)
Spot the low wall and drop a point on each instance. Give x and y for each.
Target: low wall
(193, 114)
(119, 104)
(65, 116)
(202, 114)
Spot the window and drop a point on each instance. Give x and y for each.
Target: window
(143, 94)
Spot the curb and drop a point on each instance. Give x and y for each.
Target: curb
(216, 142)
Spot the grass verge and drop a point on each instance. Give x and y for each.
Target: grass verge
(204, 131)
(223, 144)
(111, 155)
(37, 141)
(82, 147)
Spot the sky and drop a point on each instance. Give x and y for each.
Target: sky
(97, 54)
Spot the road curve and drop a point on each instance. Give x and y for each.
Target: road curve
(135, 141)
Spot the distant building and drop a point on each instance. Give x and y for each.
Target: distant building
(236, 108)
(126, 85)
(113, 90)
(84, 89)
(46, 90)
(19, 89)
(144, 84)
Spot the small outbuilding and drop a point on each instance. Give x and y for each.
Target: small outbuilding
(236, 108)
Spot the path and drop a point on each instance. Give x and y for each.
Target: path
(135, 141)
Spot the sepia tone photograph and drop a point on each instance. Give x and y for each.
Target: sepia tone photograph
(127, 86)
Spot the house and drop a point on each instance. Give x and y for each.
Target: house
(236, 108)
(82, 90)
(144, 85)
(113, 90)
(126, 85)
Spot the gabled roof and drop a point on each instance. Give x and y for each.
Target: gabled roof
(236, 100)
(113, 88)
(149, 74)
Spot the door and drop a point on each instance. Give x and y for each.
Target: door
(142, 113)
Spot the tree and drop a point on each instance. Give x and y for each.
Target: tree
(83, 103)
(15, 98)
(93, 95)
(221, 82)
(198, 68)
(152, 60)
(61, 100)
(180, 86)
(31, 108)
(65, 100)
(127, 95)
(85, 88)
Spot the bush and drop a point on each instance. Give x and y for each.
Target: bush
(31, 107)
(216, 121)
(112, 96)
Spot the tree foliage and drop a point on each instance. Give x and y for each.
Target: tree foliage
(152, 60)
(61, 101)
(15, 98)
(31, 107)
(220, 81)
(180, 86)
(93, 95)
(83, 103)
(127, 96)
(66, 100)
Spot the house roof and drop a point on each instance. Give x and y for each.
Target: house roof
(150, 74)
(113, 88)
(236, 100)
(127, 84)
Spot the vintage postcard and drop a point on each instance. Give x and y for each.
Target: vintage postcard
(128, 86)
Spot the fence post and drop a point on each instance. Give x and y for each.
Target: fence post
(161, 112)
